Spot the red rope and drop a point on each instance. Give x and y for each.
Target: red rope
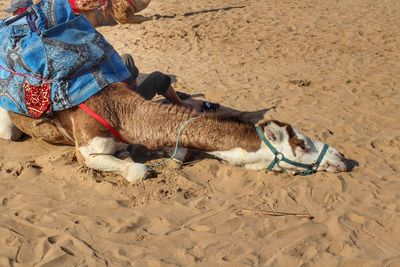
(26, 75)
(102, 121)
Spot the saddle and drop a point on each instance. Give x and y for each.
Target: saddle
(51, 60)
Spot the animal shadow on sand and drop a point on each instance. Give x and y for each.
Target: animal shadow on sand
(193, 13)
(140, 18)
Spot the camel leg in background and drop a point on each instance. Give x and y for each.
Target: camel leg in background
(8, 131)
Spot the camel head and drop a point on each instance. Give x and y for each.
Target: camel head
(292, 151)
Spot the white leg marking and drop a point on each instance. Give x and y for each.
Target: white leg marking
(258, 166)
(238, 156)
(8, 130)
(98, 156)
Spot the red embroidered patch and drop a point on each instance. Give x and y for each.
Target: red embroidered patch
(79, 6)
(37, 99)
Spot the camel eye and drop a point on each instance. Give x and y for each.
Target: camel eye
(306, 149)
(308, 146)
(302, 144)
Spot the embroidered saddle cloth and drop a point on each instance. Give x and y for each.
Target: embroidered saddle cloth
(53, 60)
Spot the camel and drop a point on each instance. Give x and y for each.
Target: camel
(107, 12)
(154, 125)
(111, 12)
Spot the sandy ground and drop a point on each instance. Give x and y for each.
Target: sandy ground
(332, 69)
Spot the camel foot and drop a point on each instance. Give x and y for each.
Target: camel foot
(137, 172)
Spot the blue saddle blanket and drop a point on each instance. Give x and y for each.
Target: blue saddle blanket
(54, 60)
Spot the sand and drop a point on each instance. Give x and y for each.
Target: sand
(332, 70)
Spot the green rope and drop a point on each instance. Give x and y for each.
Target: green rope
(183, 125)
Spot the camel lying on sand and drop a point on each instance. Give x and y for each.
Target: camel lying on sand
(114, 11)
(155, 125)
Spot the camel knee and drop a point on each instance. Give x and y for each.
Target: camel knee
(8, 131)
(136, 172)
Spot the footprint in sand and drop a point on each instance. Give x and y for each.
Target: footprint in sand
(131, 225)
(341, 249)
(300, 83)
(386, 145)
(356, 227)
(26, 170)
(67, 250)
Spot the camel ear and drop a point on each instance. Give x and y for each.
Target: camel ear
(272, 132)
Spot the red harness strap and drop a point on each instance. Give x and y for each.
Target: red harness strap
(100, 119)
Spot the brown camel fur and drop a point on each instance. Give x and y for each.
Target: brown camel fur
(139, 121)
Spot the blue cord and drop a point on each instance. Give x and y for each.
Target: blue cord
(183, 125)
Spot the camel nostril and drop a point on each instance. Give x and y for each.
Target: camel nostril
(337, 164)
(340, 156)
(344, 163)
(348, 164)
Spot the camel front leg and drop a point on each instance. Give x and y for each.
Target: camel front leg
(98, 155)
(8, 131)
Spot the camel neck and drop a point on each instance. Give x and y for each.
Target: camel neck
(156, 125)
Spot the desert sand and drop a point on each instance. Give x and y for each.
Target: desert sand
(331, 68)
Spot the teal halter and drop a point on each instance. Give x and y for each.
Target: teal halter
(310, 168)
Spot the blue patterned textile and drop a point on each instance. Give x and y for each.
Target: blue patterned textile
(54, 46)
